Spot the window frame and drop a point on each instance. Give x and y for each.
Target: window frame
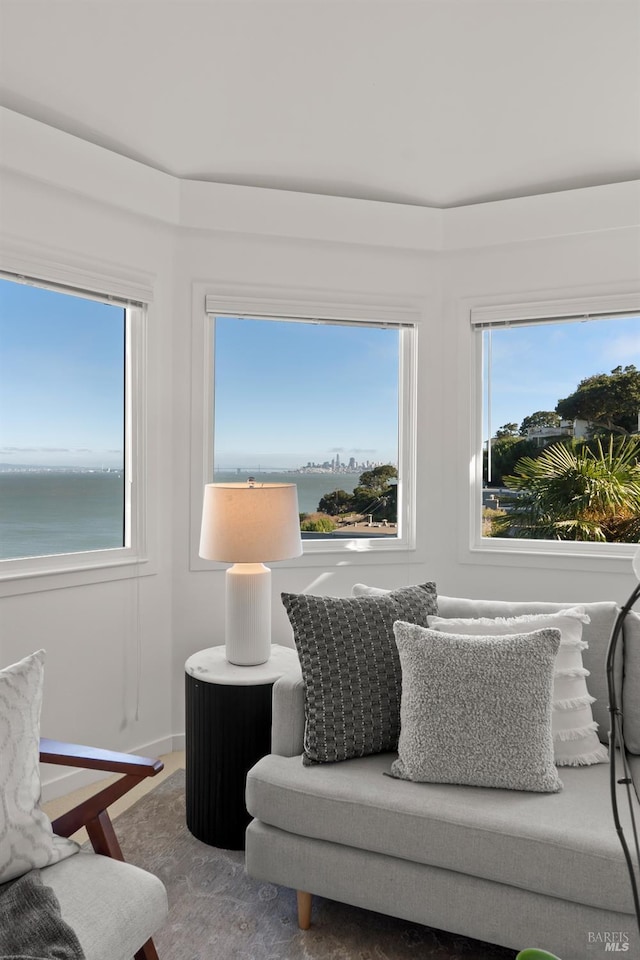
(90, 279)
(291, 305)
(537, 553)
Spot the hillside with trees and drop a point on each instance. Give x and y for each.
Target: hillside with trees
(568, 488)
(375, 495)
(609, 401)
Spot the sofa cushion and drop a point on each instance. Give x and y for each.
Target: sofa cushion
(26, 839)
(351, 669)
(597, 633)
(575, 740)
(477, 710)
(113, 907)
(559, 844)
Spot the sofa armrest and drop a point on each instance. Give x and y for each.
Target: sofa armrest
(287, 728)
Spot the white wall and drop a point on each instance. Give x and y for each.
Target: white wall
(562, 245)
(90, 632)
(594, 262)
(89, 203)
(308, 265)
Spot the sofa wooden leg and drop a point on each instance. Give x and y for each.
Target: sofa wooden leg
(304, 910)
(147, 952)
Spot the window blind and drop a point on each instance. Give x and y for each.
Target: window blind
(556, 311)
(74, 290)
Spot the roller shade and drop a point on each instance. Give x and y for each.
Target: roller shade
(143, 297)
(555, 311)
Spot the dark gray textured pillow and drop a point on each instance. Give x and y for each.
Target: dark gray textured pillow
(477, 710)
(351, 669)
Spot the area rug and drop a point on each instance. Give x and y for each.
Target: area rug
(216, 912)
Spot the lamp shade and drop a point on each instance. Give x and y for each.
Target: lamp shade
(250, 522)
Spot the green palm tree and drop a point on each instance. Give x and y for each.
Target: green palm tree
(575, 491)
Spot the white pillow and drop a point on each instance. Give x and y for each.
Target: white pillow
(26, 838)
(362, 590)
(575, 740)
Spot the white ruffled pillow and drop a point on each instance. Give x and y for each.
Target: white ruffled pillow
(362, 590)
(26, 837)
(575, 740)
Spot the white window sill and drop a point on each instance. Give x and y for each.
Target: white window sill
(326, 553)
(551, 554)
(53, 577)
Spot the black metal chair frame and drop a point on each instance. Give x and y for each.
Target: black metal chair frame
(616, 739)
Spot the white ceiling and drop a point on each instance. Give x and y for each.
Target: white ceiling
(428, 102)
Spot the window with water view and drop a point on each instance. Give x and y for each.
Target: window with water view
(561, 421)
(315, 404)
(62, 422)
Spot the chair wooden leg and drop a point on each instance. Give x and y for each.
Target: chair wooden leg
(304, 910)
(147, 952)
(103, 837)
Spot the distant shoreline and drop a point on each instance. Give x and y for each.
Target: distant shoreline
(14, 468)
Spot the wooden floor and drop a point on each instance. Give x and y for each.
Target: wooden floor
(172, 762)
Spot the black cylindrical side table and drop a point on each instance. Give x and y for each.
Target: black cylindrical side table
(227, 730)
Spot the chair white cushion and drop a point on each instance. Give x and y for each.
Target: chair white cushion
(113, 907)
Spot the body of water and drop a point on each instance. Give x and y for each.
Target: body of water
(311, 486)
(56, 512)
(48, 513)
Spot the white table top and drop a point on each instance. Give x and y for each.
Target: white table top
(212, 666)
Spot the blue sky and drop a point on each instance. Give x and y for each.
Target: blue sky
(285, 393)
(535, 367)
(61, 379)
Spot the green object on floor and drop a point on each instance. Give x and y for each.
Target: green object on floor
(532, 953)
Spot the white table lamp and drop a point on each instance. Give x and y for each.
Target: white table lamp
(246, 524)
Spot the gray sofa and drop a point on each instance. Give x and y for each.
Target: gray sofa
(506, 867)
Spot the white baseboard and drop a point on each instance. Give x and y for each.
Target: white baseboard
(59, 781)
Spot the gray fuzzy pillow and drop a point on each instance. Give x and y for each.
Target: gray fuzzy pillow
(351, 669)
(477, 710)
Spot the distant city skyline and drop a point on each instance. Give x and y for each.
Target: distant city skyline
(335, 465)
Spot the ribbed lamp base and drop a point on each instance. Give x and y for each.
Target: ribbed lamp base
(248, 614)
